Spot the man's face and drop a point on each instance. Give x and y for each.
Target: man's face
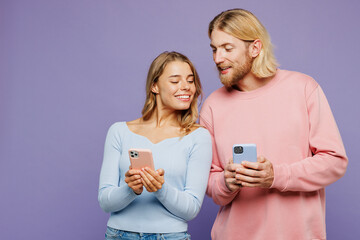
(231, 56)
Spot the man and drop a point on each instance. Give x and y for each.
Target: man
(287, 116)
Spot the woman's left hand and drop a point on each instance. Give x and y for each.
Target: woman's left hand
(152, 180)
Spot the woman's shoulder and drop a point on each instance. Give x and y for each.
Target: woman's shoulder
(199, 132)
(117, 128)
(117, 125)
(124, 124)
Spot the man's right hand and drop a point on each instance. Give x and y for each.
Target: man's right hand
(230, 175)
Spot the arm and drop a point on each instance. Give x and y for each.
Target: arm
(185, 203)
(329, 160)
(111, 196)
(216, 188)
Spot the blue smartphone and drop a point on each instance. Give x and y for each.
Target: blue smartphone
(244, 152)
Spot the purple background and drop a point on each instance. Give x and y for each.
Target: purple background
(69, 69)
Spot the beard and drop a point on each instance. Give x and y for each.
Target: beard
(239, 71)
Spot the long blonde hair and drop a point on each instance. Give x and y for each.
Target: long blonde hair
(186, 118)
(243, 25)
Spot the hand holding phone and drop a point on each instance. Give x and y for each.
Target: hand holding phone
(244, 152)
(140, 158)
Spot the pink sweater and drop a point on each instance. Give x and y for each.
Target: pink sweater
(291, 123)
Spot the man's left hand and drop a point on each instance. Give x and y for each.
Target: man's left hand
(256, 174)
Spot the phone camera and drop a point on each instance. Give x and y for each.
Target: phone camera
(238, 149)
(134, 154)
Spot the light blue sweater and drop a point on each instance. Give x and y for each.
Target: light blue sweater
(186, 162)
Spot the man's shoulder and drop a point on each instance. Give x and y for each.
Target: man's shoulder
(297, 78)
(216, 95)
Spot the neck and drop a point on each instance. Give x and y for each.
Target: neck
(164, 118)
(251, 82)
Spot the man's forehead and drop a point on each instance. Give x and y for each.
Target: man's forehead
(221, 38)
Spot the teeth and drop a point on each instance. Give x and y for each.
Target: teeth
(183, 97)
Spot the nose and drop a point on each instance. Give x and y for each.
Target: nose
(218, 57)
(185, 85)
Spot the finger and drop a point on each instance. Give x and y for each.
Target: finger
(136, 182)
(249, 172)
(230, 167)
(145, 177)
(131, 172)
(132, 178)
(229, 174)
(160, 171)
(261, 159)
(233, 182)
(247, 179)
(150, 173)
(155, 179)
(145, 185)
(135, 177)
(246, 184)
(139, 185)
(252, 165)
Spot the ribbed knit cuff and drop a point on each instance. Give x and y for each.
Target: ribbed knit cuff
(281, 177)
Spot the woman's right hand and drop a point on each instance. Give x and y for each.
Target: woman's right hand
(133, 180)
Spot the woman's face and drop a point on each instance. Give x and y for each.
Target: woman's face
(175, 88)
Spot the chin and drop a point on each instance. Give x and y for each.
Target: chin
(181, 108)
(227, 81)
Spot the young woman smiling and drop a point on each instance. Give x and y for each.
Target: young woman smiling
(156, 204)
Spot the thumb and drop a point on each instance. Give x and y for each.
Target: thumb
(160, 171)
(261, 159)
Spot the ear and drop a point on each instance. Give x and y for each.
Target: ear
(255, 48)
(155, 88)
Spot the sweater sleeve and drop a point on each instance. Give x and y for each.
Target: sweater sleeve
(216, 188)
(111, 196)
(328, 162)
(185, 203)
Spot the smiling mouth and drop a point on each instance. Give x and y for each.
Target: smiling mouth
(223, 70)
(183, 97)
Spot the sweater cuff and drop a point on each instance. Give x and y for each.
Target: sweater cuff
(162, 192)
(131, 195)
(281, 177)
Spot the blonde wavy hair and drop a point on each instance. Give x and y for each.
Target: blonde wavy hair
(186, 118)
(243, 25)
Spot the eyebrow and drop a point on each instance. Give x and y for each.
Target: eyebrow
(222, 45)
(177, 75)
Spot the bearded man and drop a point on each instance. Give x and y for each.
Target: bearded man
(287, 116)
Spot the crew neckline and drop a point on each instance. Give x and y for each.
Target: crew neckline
(164, 140)
(259, 91)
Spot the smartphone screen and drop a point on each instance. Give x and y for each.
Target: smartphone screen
(244, 152)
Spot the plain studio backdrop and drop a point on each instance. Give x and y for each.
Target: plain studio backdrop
(71, 68)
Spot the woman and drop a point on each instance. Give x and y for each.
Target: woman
(149, 204)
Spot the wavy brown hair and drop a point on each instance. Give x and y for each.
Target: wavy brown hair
(243, 25)
(186, 118)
